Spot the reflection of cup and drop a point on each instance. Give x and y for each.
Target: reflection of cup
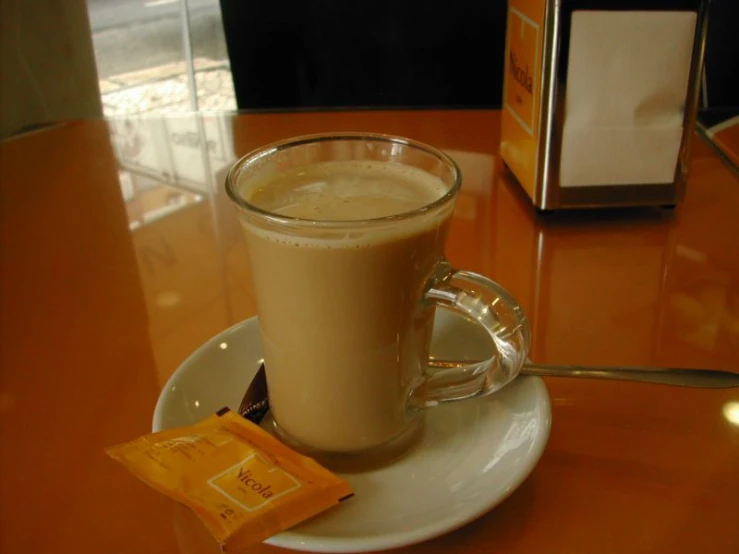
(346, 236)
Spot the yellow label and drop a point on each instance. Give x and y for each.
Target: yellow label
(520, 67)
(522, 90)
(253, 483)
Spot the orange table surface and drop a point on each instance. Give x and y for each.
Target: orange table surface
(120, 254)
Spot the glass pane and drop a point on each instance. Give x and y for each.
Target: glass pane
(212, 68)
(142, 60)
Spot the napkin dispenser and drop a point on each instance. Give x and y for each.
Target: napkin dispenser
(600, 99)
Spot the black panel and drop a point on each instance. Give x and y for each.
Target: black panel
(384, 53)
(722, 54)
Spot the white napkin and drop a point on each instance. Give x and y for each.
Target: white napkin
(627, 81)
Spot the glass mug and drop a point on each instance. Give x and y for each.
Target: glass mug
(346, 306)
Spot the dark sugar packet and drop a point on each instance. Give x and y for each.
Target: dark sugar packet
(255, 403)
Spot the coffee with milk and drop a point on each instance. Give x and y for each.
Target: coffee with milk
(343, 327)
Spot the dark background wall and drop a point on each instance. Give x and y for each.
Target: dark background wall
(394, 53)
(385, 53)
(722, 54)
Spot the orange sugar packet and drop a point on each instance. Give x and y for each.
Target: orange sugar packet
(243, 483)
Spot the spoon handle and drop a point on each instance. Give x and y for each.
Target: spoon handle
(702, 378)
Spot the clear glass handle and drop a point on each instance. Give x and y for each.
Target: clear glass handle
(485, 302)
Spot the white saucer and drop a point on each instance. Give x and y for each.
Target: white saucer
(473, 454)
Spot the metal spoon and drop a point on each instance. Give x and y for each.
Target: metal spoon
(254, 405)
(701, 378)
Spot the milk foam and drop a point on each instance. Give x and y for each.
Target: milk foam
(347, 192)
